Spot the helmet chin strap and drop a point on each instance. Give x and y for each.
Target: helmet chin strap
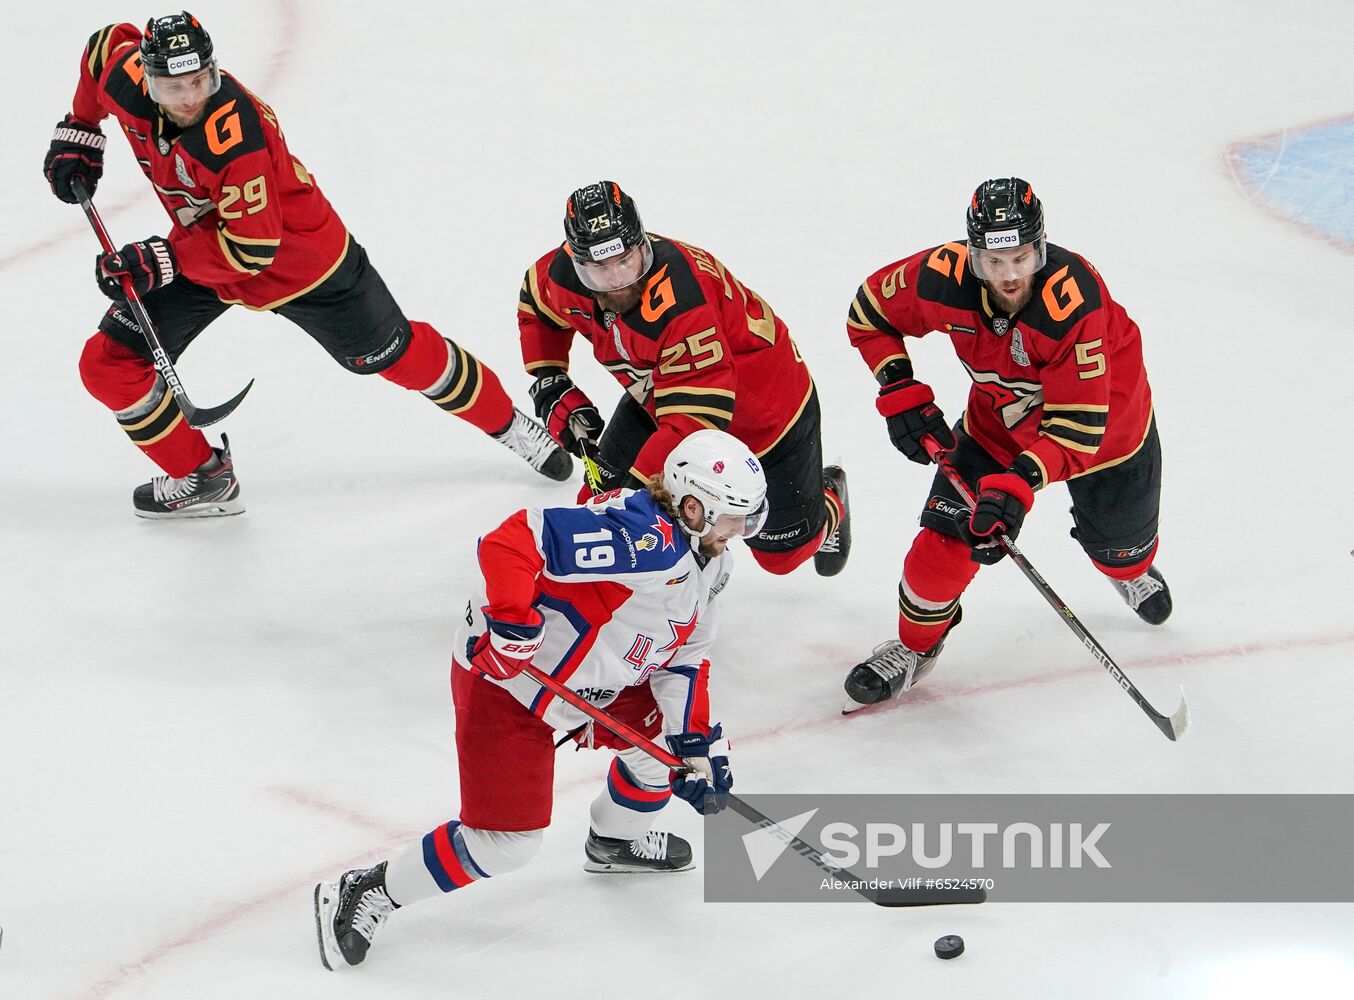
(687, 530)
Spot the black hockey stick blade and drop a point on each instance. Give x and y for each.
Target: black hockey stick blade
(199, 417)
(929, 897)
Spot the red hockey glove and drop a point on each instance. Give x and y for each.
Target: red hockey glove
(910, 408)
(76, 151)
(150, 264)
(506, 649)
(706, 787)
(1003, 501)
(565, 410)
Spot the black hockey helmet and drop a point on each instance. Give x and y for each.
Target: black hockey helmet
(177, 45)
(605, 237)
(1005, 213)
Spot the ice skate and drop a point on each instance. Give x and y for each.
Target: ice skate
(891, 671)
(531, 442)
(655, 851)
(347, 914)
(1147, 595)
(210, 490)
(830, 559)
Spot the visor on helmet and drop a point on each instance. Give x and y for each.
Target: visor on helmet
(610, 267)
(744, 525)
(1006, 261)
(199, 81)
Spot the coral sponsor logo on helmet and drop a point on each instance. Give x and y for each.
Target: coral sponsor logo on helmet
(605, 251)
(999, 239)
(183, 64)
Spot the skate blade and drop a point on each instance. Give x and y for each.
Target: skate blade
(604, 868)
(223, 509)
(851, 707)
(326, 896)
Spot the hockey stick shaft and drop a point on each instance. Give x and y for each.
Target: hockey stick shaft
(587, 450)
(195, 416)
(1172, 726)
(883, 897)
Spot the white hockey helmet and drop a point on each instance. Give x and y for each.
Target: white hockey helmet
(719, 471)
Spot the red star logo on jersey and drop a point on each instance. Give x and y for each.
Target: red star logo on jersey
(664, 527)
(681, 632)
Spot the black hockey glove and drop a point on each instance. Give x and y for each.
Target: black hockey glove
(910, 408)
(1003, 501)
(76, 151)
(564, 409)
(150, 264)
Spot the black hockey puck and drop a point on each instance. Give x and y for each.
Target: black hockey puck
(949, 946)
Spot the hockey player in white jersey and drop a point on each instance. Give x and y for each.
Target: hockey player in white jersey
(615, 599)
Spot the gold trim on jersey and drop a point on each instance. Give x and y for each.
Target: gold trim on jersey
(534, 289)
(1147, 429)
(246, 254)
(892, 357)
(799, 412)
(296, 295)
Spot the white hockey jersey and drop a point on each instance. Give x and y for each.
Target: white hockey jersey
(625, 599)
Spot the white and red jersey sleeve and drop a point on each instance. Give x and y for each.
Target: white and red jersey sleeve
(623, 597)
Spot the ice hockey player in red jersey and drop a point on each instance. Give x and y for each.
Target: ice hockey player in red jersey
(694, 348)
(615, 598)
(1059, 394)
(250, 227)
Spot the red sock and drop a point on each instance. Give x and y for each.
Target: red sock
(453, 378)
(936, 571)
(126, 383)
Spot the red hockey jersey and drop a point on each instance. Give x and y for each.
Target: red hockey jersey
(1061, 382)
(249, 221)
(700, 350)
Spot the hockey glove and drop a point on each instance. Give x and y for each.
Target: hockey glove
(506, 649)
(76, 151)
(150, 264)
(910, 408)
(565, 410)
(1003, 501)
(707, 785)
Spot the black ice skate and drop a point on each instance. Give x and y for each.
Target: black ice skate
(656, 851)
(1148, 595)
(891, 671)
(210, 490)
(830, 559)
(347, 913)
(531, 442)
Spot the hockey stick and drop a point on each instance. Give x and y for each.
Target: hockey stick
(196, 416)
(1172, 726)
(883, 897)
(587, 451)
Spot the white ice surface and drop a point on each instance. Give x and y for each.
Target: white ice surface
(198, 721)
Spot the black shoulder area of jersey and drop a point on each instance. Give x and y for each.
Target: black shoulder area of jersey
(671, 291)
(562, 273)
(126, 87)
(231, 127)
(1066, 291)
(944, 278)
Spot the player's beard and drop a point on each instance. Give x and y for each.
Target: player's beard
(1012, 305)
(623, 299)
(713, 548)
(183, 122)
